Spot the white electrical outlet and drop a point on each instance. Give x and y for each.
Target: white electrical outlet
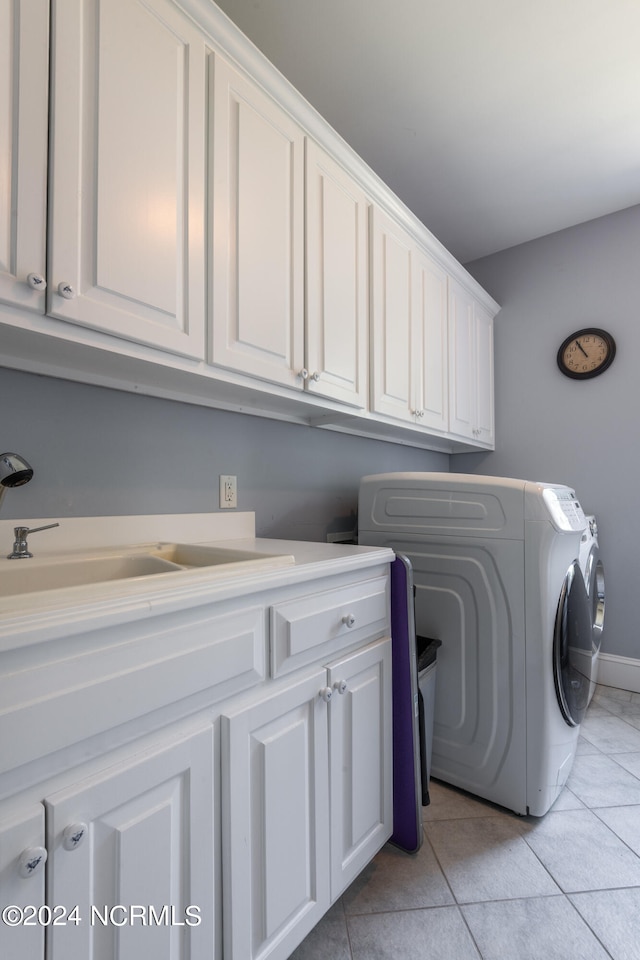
(228, 492)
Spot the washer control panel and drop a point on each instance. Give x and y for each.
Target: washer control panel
(564, 508)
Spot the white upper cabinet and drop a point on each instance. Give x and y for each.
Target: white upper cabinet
(395, 361)
(24, 99)
(126, 225)
(484, 373)
(409, 328)
(337, 318)
(470, 367)
(176, 219)
(430, 313)
(257, 209)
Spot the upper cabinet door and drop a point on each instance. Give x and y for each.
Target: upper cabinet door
(462, 381)
(470, 367)
(257, 274)
(431, 312)
(127, 232)
(24, 52)
(337, 281)
(394, 365)
(484, 370)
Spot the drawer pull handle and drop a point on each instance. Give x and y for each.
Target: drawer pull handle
(341, 686)
(73, 835)
(326, 693)
(31, 861)
(348, 619)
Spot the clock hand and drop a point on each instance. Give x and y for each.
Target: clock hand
(582, 348)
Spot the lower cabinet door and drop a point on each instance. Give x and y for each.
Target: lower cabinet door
(133, 850)
(22, 860)
(360, 738)
(275, 820)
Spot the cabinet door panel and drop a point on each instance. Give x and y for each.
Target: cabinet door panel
(462, 379)
(431, 320)
(336, 294)
(257, 210)
(361, 751)
(393, 366)
(275, 821)
(18, 833)
(127, 219)
(24, 99)
(484, 352)
(149, 843)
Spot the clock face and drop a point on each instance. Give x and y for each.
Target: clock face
(586, 353)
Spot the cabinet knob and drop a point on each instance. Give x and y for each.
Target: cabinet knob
(66, 290)
(31, 861)
(304, 374)
(73, 835)
(315, 376)
(36, 281)
(326, 693)
(341, 686)
(348, 619)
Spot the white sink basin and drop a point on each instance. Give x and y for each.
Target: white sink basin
(132, 563)
(199, 555)
(22, 577)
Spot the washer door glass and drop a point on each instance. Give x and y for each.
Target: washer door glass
(572, 647)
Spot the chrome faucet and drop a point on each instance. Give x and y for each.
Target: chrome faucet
(20, 546)
(14, 471)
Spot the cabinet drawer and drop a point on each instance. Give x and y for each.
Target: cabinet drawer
(331, 620)
(114, 676)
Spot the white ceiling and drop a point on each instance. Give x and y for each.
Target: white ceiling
(495, 121)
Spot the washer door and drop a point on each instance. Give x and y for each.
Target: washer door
(572, 647)
(594, 576)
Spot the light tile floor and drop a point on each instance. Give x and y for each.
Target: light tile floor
(488, 884)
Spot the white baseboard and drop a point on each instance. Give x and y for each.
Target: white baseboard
(620, 672)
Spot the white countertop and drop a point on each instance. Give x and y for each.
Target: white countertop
(39, 616)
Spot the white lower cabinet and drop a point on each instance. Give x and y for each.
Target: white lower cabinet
(306, 799)
(22, 876)
(360, 750)
(200, 785)
(275, 810)
(131, 862)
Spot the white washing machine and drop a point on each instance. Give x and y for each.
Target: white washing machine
(498, 582)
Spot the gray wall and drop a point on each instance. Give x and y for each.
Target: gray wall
(549, 427)
(102, 452)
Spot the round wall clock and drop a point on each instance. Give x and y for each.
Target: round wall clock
(586, 353)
